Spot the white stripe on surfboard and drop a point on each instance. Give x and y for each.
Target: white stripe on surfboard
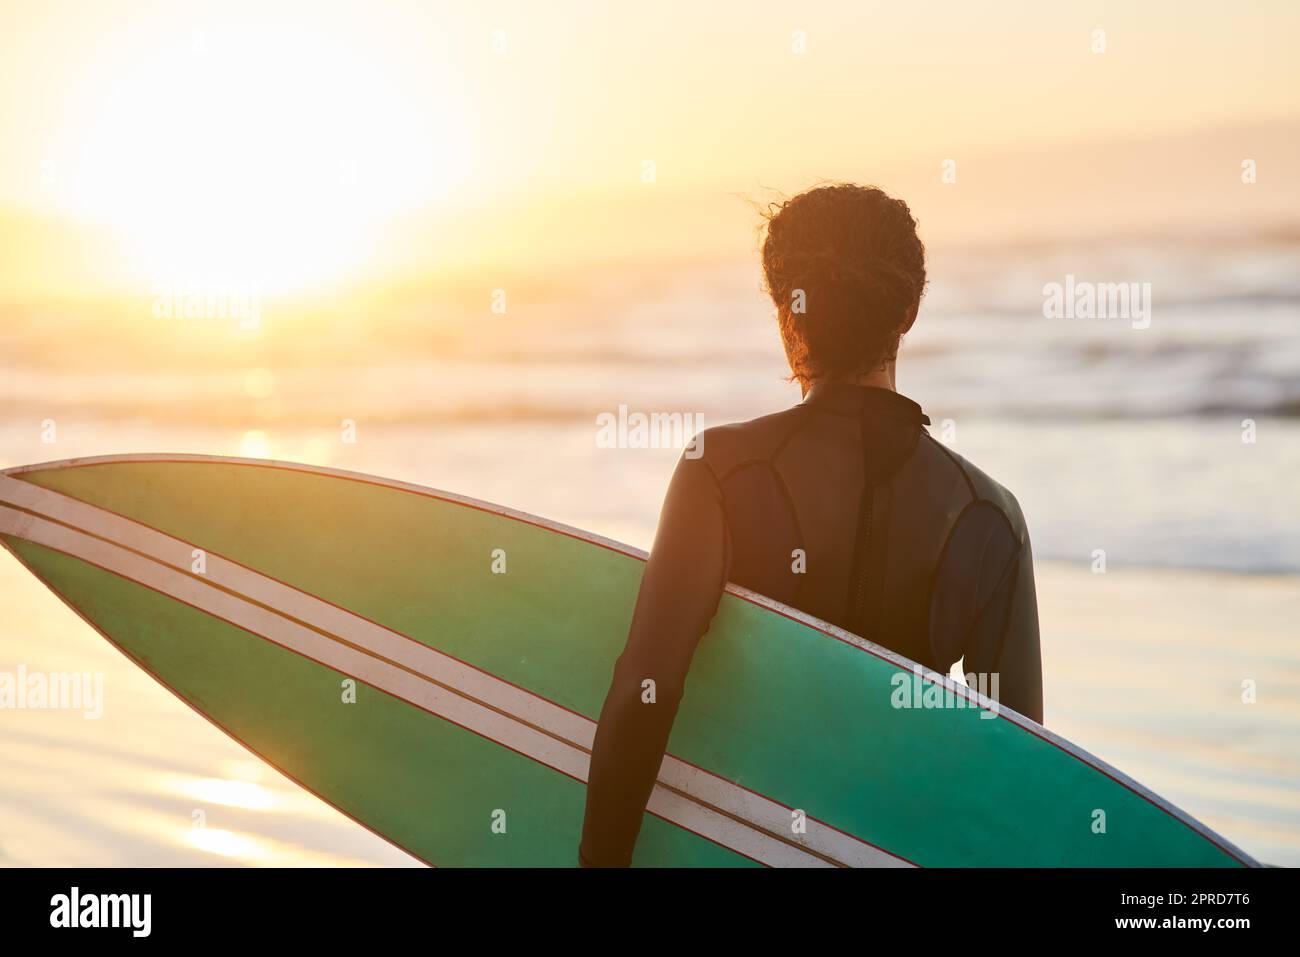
(396, 681)
(745, 594)
(740, 835)
(695, 782)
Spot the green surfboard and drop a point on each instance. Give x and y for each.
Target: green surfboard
(433, 666)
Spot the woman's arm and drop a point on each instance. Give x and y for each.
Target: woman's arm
(1004, 638)
(683, 582)
(983, 608)
(1020, 663)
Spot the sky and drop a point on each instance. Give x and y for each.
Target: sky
(299, 144)
(376, 170)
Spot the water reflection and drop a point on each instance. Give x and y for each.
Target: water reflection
(243, 794)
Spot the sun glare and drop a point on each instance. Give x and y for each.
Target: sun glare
(232, 793)
(259, 155)
(226, 843)
(255, 444)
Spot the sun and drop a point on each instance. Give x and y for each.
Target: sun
(260, 154)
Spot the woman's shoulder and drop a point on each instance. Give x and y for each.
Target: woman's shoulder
(981, 486)
(756, 440)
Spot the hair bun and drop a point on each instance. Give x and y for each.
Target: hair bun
(854, 253)
(876, 282)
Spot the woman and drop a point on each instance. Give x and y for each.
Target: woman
(843, 507)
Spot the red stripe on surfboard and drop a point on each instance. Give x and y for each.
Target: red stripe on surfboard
(621, 549)
(147, 670)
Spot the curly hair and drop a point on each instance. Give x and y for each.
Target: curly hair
(854, 254)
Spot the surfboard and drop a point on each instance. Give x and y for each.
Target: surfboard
(433, 666)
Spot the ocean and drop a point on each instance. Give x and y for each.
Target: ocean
(1154, 451)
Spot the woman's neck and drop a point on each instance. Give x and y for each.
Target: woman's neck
(882, 378)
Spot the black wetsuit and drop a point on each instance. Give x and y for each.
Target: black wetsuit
(902, 542)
